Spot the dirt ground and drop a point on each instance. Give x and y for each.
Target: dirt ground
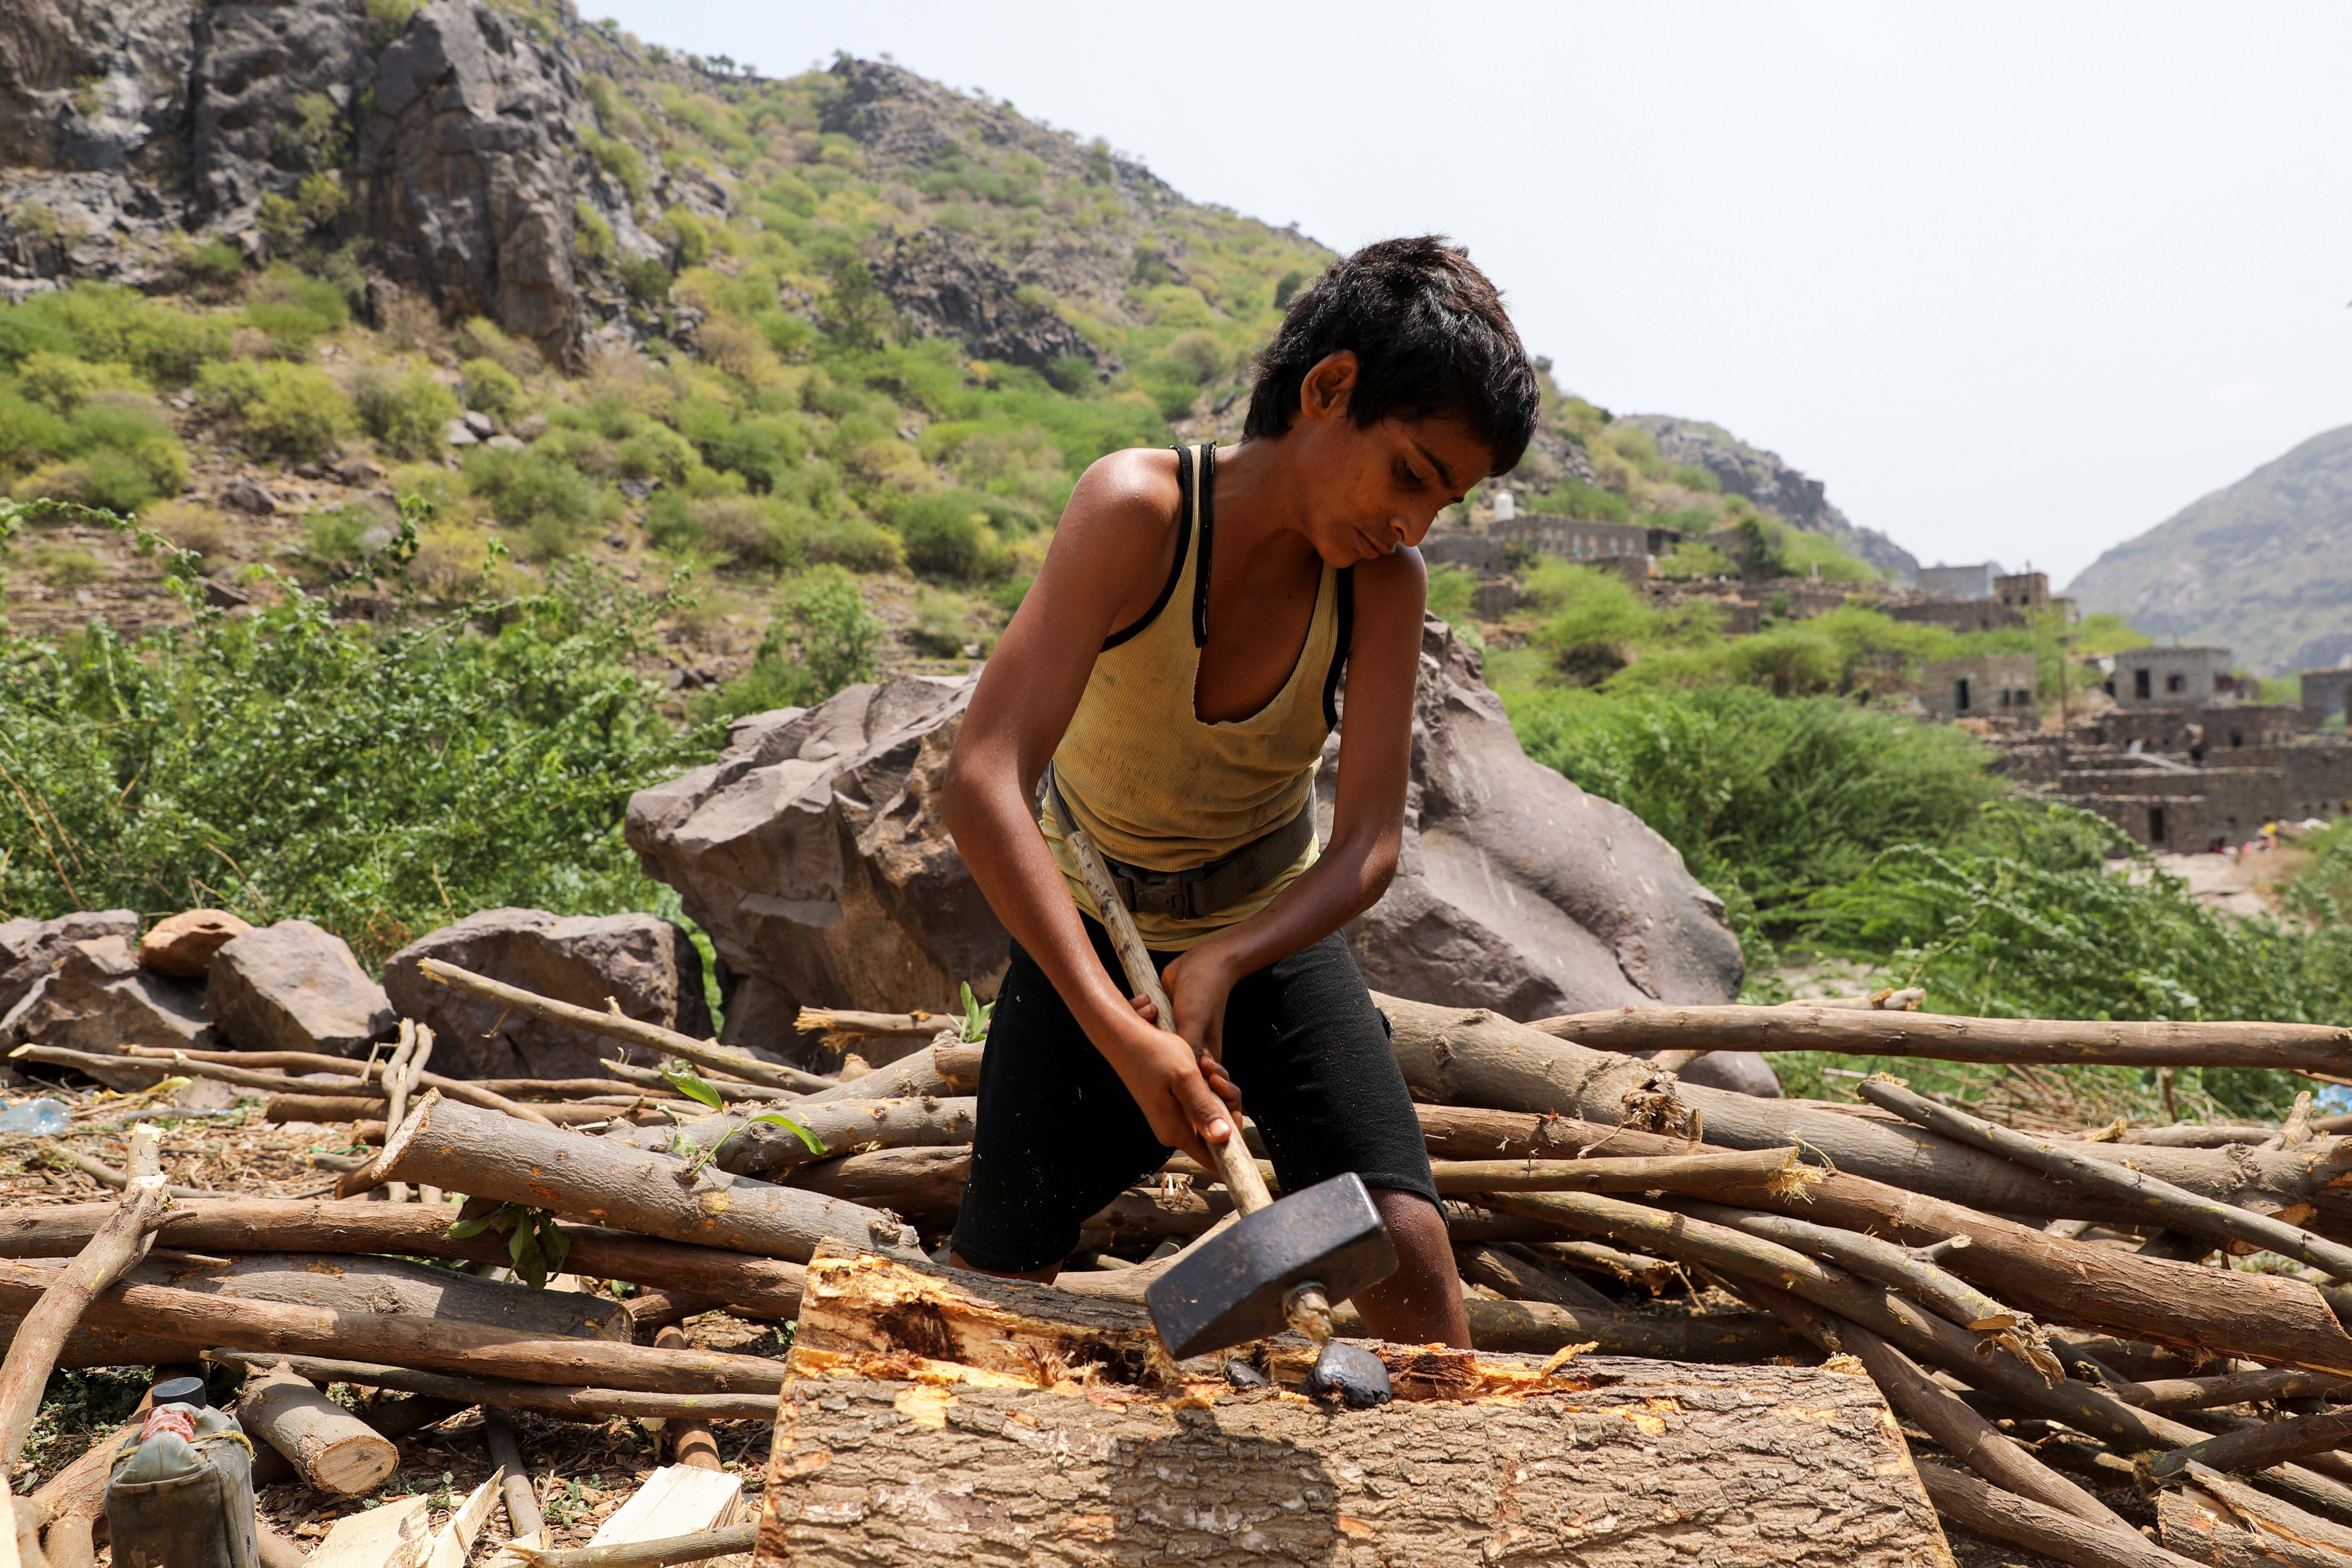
(583, 1471)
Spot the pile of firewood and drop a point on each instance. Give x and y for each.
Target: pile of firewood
(1695, 1310)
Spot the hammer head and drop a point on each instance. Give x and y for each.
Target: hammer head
(1231, 1287)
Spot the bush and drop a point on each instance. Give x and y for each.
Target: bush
(407, 412)
(948, 535)
(1199, 354)
(856, 543)
(822, 639)
(552, 505)
(192, 527)
(28, 431)
(106, 325)
(941, 626)
(1768, 799)
(287, 764)
(492, 388)
(290, 412)
(62, 384)
(740, 529)
(294, 309)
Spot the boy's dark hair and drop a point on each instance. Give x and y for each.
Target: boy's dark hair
(1429, 336)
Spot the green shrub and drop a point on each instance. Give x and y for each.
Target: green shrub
(62, 382)
(739, 530)
(552, 506)
(407, 412)
(492, 388)
(657, 452)
(216, 264)
(941, 626)
(1691, 476)
(822, 638)
(1586, 502)
(287, 765)
(948, 535)
(648, 281)
(106, 325)
(28, 431)
(1198, 355)
(291, 412)
(115, 479)
(293, 309)
(856, 543)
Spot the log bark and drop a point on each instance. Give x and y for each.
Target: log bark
(165, 1063)
(2037, 1527)
(2260, 1446)
(1968, 1437)
(1500, 1270)
(1639, 1465)
(1939, 1037)
(841, 1127)
(334, 1449)
(524, 1519)
(692, 1440)
(651, 1080)
(2265, 1317)
(64, 1297)
(458, 1148)
(1477, 1058)
(339, 1107)
(936, 1071)
(455, 1393)
(362, 1072)
(757, 1286)
(2223, 1522)
(707, 1054)
(2174, 1393)
(196, 1318)
(2176, 1206)
(917, 1185)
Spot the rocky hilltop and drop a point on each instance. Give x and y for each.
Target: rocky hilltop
(2263, 567)
(1799, 499)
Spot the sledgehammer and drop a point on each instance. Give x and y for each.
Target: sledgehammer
(1283, 1263)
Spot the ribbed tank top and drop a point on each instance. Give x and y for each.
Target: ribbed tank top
(1151, 783)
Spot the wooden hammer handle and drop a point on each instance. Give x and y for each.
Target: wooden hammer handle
(1235, 1163)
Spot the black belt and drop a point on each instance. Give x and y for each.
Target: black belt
(1200, 890)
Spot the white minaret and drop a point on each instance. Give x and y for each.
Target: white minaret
(1506, 506)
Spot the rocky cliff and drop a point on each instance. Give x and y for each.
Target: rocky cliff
(1800, 500)
(2263, 567)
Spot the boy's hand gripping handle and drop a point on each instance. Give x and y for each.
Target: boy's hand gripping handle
(1235, 1163)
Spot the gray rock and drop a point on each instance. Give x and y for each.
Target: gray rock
(812, 852)
(294, 986)
(457, 433)
(466, 158)
(944, 287)
(644, 963)
(30, 949)
(97, 1000)
(256, 69)
(1773, 484)
(480, 423)
(1518, 891)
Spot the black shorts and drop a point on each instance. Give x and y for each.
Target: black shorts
(1059, 1136)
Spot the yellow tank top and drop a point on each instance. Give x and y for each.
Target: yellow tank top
(1151, 783)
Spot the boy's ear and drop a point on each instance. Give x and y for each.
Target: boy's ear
(1325, 391)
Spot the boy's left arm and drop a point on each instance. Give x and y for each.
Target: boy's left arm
(1368, 820)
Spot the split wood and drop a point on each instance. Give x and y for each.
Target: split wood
(58, 1302)
(502, 1393)
(460, 1148)
(1940, 1036)
(707, 1054)
(2175, 1206)
(700, 1547)
(472, 1348)
(755, 1287)
(1476, 1057)
(1957, 1428)
(2037, 1527)
(415, 1040)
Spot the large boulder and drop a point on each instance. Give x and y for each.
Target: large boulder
(294, 986)
(1517, 890)
(98, 999)
(31, 949)
(643, 962)
(812, 854)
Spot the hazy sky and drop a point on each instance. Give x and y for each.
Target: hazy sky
(2016, 280)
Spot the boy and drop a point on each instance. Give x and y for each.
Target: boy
(1177, 662)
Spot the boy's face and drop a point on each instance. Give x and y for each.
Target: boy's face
(1371, 490)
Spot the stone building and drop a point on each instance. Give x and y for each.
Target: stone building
(1958, 581)
(1574, 539)
(1982, 613)
(2023, 591)
(2173, 678)
(2324, 696)
(1999, 684)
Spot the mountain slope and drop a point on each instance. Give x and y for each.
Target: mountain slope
(1800, 500)
(2264, 566)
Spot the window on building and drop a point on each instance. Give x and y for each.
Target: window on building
(2237, 738)
(2156, 825)
(2140, 684)
(2175, 683)
(1960, 695)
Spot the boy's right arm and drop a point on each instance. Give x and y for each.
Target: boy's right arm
(1108, 561)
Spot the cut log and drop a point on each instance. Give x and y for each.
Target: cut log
(2289, 1048)
(935, 1072)
(757, 1286)
(2174, 1394)
(2037, 1527)
(1628, 1463)
(197, 1319)
(2230, 1525)
(165, 1063)
(118, 1243)
(692, 1440)
(524, 1520)
(1515, 1276)
(458, 1148)
(453, 1392)
(707, 1054)
(700, 1547)
(1477, 1058)
(845, 1127)
(2260, 1446)
(392, 1285)
(918, 1183)
(334, 1449)
(2265, 1317)
(726, 1089)
(2173, 1206)
(332, 1109)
